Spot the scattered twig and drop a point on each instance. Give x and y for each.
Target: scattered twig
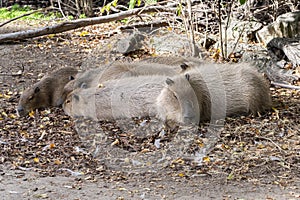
(61, 11)
(285, 85)
(220, 27)
(19, 73)
(238, 39)
(189, 28)
(264, 138)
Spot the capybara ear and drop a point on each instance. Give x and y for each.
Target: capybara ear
(36, 90)
(169, 81)
(187, 76)
(84, 85)
(184, 66)
(71, 78)
(76, 97)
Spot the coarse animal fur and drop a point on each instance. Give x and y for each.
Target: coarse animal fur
(178, 91)
(136, 97)
(175, 61)
(168, 66)
(228, 89)
(47, 92)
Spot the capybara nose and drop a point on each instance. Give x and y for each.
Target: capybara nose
(20, 111)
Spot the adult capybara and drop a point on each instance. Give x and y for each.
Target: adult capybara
(168, 66)
(136, 97)
(175, 61)
(47, 92)
(228, 90)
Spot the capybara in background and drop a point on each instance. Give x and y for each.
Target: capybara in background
(136, 97)
(47, 92)
(117, 70)
(176, 61)
(228, 90)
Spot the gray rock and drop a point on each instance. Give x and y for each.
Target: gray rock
(286, 25)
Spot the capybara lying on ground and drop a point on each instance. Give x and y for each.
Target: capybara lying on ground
(228, 90)
(47, 92)
(213, 92)
(117, 70)
(166, 98)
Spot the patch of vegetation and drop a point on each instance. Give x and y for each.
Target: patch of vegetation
(16, 10)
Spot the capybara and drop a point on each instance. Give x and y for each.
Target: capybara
(178, 91)
(47, 92)
(136, 97)
(175, 61)
(228, 90)
(117, 70)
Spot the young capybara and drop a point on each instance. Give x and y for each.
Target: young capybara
(178, 91)
(228, 90)
(139, 96)
(47, 92)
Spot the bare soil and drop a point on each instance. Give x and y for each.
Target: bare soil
(255, 157)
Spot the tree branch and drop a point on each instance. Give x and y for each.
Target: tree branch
(70, 25)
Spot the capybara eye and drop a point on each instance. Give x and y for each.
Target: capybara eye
(175, 96)
(68, 101)
(30, 98)
(36, 90)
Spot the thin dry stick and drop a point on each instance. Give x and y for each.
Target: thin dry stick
(206, 27)
(191, 30)
(27, 14)
(226, 27)
(285, 85)
(61, 11)
(77, 6)
(187, 19)
(238, 39)
(264, 138)
(220, 28)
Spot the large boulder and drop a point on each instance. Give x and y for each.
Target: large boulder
(285, 26)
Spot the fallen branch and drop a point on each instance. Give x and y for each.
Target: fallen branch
(285, 85)
(70, 25)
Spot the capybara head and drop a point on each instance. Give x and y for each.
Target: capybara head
(81, 102)
(31, 99)
(178, 101)
(47, 92)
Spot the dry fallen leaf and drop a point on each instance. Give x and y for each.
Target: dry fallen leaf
(36, 160)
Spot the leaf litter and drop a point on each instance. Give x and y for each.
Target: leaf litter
(261, 148)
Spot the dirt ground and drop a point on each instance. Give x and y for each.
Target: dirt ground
(255, 157)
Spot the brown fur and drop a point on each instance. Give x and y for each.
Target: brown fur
(169, 66)
(178, 102)
(229, 89)
(175, 61)
(134, 97)
(47, 92)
